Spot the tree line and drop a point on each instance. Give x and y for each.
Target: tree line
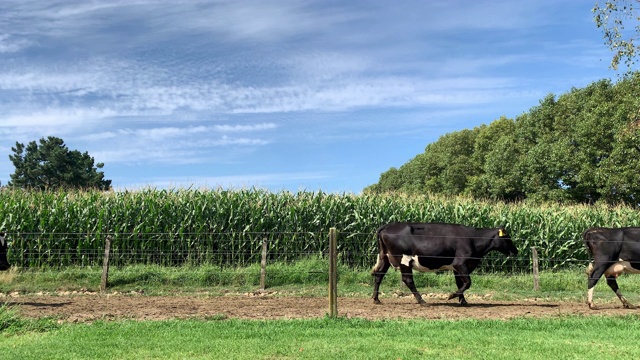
(580, 147)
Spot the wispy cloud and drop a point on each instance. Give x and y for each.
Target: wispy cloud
(259, 180)
(109, 92)
(164, 133)
(173, 144)
(11, 45)
(173, 153)
(124, 84)
(219, 81)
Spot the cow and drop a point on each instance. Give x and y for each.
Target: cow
(4, 263)
(615, 251)
(434, 247)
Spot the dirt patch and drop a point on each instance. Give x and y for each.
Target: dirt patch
(92, 306)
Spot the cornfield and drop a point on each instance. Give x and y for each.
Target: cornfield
(227, 227)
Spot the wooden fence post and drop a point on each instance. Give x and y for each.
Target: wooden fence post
(333, 273)
(536, 275)
(105, 264)
(263, 264)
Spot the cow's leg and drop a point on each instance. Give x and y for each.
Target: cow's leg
(613, 284)
(463, 280)
(460, 284)
(378, 272)
(407, 278)
(597, 272)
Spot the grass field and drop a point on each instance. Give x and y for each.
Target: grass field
(223, 338)
(565, 338)
(307, 277)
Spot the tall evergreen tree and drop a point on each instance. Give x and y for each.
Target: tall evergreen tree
(52, 165)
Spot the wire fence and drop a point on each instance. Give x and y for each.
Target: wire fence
(241, 249)
(298, 258)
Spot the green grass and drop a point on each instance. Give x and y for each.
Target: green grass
(12, 324)
(217, 337)
(304, 278)
(565, 338)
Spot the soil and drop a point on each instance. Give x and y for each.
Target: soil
(87, 307)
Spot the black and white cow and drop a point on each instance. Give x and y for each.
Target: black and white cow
(433, 247)
(4, 263)
(614, 251)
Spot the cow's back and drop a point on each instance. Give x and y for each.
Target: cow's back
(396, 237)
(424, 238)
(427, 229)
(613, 242)
(630, 248)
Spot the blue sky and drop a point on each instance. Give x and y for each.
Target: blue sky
(282, 95)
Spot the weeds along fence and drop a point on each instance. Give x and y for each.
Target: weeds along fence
(226, 227)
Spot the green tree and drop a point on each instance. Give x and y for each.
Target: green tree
(488, 141)
(389, 181)
(613, 17)
(619, 171)
(592, 116)
(52, 165)
(542, 144)
(496, 154)
(447, 163)
(581, 147)
(409, 178)
(503, 171)
(622, 168)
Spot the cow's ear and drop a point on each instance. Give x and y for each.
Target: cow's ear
(501, 232)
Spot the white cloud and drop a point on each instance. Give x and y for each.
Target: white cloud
(126, 89)
(8, 44)
(61, 119)
(173, 145)
(64, 82)
(206, 81)
(164, 133)
(325, 78)
(238, 128)
(229, 181)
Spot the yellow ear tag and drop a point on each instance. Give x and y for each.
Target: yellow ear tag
(501, 232)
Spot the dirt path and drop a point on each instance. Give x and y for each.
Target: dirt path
(89, 307)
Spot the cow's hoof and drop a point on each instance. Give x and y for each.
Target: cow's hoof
(422, 303)
(376, 301)
(452, 296)
(592, 306)
(629, 306)
(464, 303)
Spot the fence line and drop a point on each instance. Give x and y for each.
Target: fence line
(237, 249)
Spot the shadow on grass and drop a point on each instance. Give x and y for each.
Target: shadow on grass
(34, 304)
(491, 305)
(455, 304)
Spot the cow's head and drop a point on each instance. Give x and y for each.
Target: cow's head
(503, 242)
(4, 263)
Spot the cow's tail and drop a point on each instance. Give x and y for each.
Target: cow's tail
(589, 269)
(586, 237)
(382, 253)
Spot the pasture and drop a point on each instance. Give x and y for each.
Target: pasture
(564, 338)
(295, 291)
(203, 312)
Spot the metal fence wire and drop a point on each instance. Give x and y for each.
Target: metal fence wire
(240, 249)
